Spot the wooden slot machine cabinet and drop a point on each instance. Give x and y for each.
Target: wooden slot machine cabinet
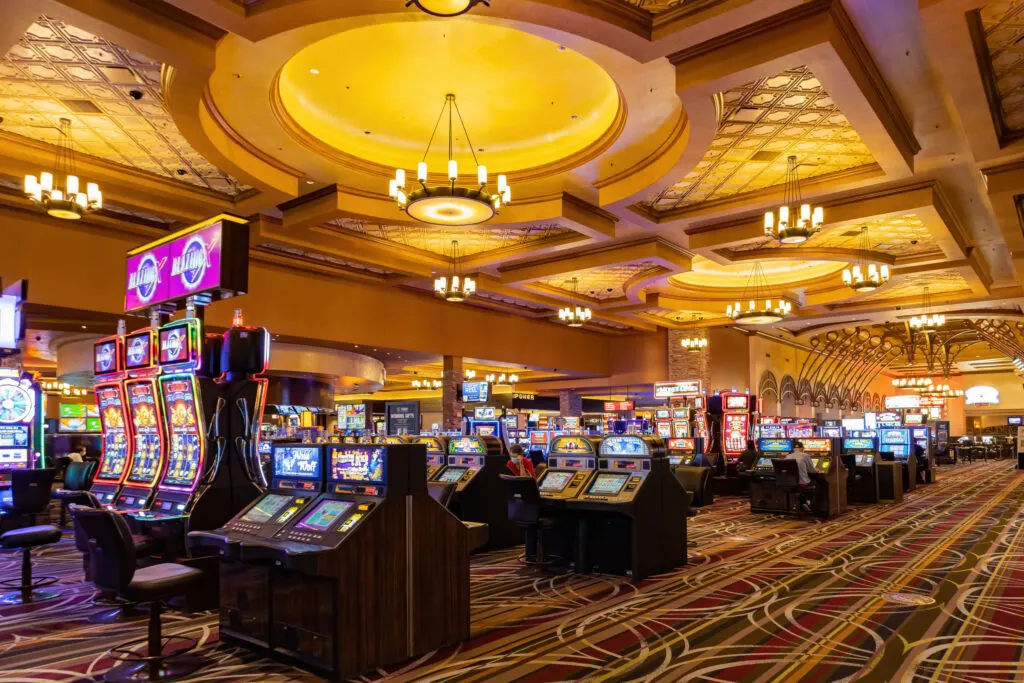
(572, 461)
(116, 441)
(830, 482)
(146, 422)
(633, 510)
(374, 572)
(861, 460)
(828, 497)
(437, 448)
(895, 443)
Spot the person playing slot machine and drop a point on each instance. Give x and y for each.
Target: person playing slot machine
(518, 463)
(748, 457)
(804, 466)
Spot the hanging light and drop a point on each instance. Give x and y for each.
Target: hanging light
(694, 344)
(927, 321)
(427, 385)
(469, 374)
(863, 276)
(762, 308)
(916, 383)
(455, 286)
(796, 221)
(450, 204)
(446, 8)
(575, 315)
(59, 192)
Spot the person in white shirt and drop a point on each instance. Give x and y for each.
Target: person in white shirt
(804, 464)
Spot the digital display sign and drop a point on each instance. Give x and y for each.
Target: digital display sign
(617, 406)
(184, 431)
(105, 357)
(355, 464)
(176, 345)
(775, 445)
(297, 462)
(324, 515)
(138, 350)
(773, 431)
(142, 407)
(476, 392)
(1015, 420)
(72, 410)
(858, 444)
(817, 445)
(608, 484)
(741, 402)
(110, 402)
(683, 388)
(467, 445)
(913, 419)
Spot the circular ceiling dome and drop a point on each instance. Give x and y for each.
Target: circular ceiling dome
(375, 93)
(707, 273)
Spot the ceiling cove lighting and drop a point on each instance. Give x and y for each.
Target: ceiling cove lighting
(863, 276)
(455, 286)
(59, 192)
(794, 221)
(761, 308)
(575, 315)
(449, 203)
(446, 8)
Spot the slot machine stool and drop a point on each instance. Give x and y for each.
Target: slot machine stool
(524, 510)
(787, 479)
(24, 539)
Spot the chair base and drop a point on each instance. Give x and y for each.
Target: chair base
(28, 592)
(172, 669)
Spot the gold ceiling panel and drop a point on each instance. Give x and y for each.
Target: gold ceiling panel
(659, 6)
(511, 301)
(669, 315)
(438, 239)
(325, 259)
(761, 124)
(912, 286)
(1003, 24)
(900, 236)
(57, 70)
(604, 282)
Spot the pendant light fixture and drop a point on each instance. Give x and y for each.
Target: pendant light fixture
(448, 203)
(59, 192)
(446, 8)
(863, 276)
(915, 383)
(575, 315)
(795, 221)
(694, 344)
(927, 321)
(761, 307)
(502, 378)
(427, 384)
(455, 286)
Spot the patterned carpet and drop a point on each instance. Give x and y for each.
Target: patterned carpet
(928, 590)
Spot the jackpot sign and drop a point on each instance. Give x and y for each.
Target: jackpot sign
(211, 256)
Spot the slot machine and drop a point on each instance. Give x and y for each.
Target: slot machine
(687, 452)
(437, 448)
(475, 464)
(633, 510)
(21, 416)
(897, 444)
(700, 417)
(663, 423)
(738, 416)
(572, 461)
(775, 447)
(921, 435)
(861, 461)
(820, 450)
(681, 423)
(145, 421)
(116, 441)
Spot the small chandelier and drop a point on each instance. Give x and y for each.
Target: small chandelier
(67, 200)
(862, 276)
(939, 390)
(915, 383)
(502, 378)
(426, 385)
(927, 321)
(469, 374)
(762, 308)
(446, 8)
(694, 344)
(790, 227)
(449, 204)
(575, 315)
(455, 286)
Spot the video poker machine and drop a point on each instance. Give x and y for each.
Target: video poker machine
(146, 423)
(572, 461)
(632, 510)
(21, 423)
(116, 442)
(437, 450)
(861, 460)
(475, 465)
(687, 452)
(897, 444)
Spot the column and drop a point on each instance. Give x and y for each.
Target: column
(683, 364)
(451, 406)
(570, 404)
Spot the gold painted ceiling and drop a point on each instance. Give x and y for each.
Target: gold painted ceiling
(912, 286)
(605, 282)
(761, 124)
(900, 236)
(57, 70)
(1003, 23)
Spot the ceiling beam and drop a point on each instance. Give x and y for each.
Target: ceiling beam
(654, 249)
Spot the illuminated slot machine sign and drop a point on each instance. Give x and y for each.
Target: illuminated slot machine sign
(435, 450)
(894, 441)
(858, 444)
(681, 451)
(773, 431)
(820, 451)
(357, 468)
(178, 345)
(110, 402)
(735, 429)
(148, 432)
(799, 431)
(17, 411)
(782, 446)
(571, 445)
(297, 467)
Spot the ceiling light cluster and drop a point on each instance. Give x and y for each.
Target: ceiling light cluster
(942, 391)
(469, 374)
(62, 388)
(502, 378)
(762, 308)
(62, 196)
(916, 383)
(927, 321)
(427, 384)
(446, 8)
(694, 344)
(455, 286)
(575, 314)
(864, 276)
(796, 221)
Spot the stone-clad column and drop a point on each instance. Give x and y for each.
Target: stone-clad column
(570, 404)
(451, 406)
(683, 364)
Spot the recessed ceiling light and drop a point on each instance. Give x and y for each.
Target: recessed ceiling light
(84, 327)
(309, 182)
(315, 72)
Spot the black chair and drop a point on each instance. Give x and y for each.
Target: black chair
(29, 493)
(525, 510)
(77, 480)
(28, 589)
(441, 491)
(787, 480)
(697, 482)
(112, 556)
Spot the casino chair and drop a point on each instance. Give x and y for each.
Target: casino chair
(525, 511)
(697, 482)
(787, 480)
(29, 493)
(24, 539)
(114, 571)
(77, 480)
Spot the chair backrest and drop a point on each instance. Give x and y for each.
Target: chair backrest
(540, 470)
(111, 550)
(30, 490)
(787, 473)
(77, 476)
(441, 491)
(523, 499)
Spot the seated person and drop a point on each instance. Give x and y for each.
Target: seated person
(519, 465)
(804, 466)
(747, 457)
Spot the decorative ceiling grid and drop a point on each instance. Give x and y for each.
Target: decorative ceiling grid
(438, 239)
(1003, 23)
(685, 317)
(762, 123)
(659, 6)
(912, 286)
(900, 236)
(604, 282)
(510, 301)
(57, 70)
(325, 259)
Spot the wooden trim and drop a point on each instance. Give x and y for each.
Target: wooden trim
(678, 130)
(1005, 135)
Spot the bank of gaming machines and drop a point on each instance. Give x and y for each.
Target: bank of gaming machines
(437, 449)
(896, 442)
(116, 443)
(860, 459)
(146, 422)
(21, 423)
(829, 478)
(370, 572)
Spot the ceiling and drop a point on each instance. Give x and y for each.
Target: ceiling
(644, 140)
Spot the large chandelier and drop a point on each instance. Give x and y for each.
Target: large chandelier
(942, 391)
(863, 276)
(796, 221)
(927, 321)
(455, 286)
(61, 197)
(446, 8)
(448, 203)
(762, 308)
(575, 315)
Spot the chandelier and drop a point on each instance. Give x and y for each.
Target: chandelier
(942, 391)
(575, 315)
(796, 221)
(446, 8)
(449, 204)
(469, 374)
(762, 308)
(927, 321)
(916, 383)
(63, 200)
(862, 276)
(455, 286)
(502, 378)
(427, 385)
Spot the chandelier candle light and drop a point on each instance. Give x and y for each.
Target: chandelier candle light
(863, 276)
(575, 315)
(796, 221)
(63, 200)
(502, 378)
(449, 204)
(762, 308)
(455, 286)
(927, 321)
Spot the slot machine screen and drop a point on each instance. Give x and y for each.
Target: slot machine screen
(864, 459)
(184, 444)
(324, 515)
(105, 357)
(175, 344)
(266, 508)
(451, 475)
(297, 462)
(138, 351)
(13, 458)
(920, 434)
(832, 432)
(608, 484)
(664, 429)
(775, 445)
(485, 430)
(538, 438)
(817, 445)
(680, 444)
(555, 481)
(858, 444)
(737, 402)
(773, 431)
(352, 463)
(142, 406)
(115, 436)
(764, 462)
(661, 414)
(913, 419)
(735, 430)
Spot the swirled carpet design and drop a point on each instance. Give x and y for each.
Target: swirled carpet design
(928, 590)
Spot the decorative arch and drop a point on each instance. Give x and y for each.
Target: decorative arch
(768, 386)
(788, 388)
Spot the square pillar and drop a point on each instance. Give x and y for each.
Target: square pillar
(451, 406)
(683, 364)
(570, 404)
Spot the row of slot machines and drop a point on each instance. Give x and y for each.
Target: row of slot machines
(827, 497)
(180, 413)
(345, 563)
